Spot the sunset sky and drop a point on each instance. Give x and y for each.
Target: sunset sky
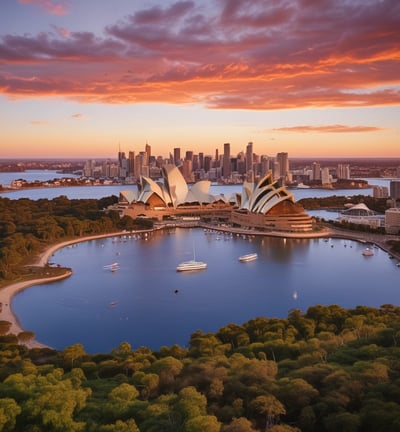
(314, 78)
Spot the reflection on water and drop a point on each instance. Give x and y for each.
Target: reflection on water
(146, 302)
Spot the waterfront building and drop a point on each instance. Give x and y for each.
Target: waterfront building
(395, 189)
(362, 215)
(380, 192)
(263, 205)
(392, 220)
(326, 178)
(316, 171)
(343, 171)
(89, 167)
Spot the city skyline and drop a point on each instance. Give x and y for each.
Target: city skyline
(85, 79)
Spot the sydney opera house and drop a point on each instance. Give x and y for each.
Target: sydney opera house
(263, 205)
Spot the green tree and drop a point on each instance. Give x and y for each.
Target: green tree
(269, 406)
(74, 352)
(25, 336)
(9, 410)
(240, 424)
(122, 399)
(203, 423)
(4, 327)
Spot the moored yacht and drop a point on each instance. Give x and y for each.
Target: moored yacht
(248, 257)
(191, 265)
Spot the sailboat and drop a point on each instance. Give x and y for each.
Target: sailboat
(191, 265)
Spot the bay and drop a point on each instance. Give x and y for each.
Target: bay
(146, 302)
(147, 311)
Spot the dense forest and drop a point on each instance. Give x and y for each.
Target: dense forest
(27, 226)
(330, 369)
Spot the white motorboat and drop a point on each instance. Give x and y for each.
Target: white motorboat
(191, 265)
(111, 267)
(248, 257)
(368, 252)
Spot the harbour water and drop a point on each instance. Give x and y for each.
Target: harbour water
(147, 302)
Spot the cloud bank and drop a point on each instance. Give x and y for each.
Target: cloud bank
(247, 54)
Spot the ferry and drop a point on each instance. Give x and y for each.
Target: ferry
(191, 265)
(248, 257)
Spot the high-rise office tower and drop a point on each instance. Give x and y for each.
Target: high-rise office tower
(395, 189)
(131, 164)
(177, 156)
(265, 168)
(207, 163)
(249, 157)
(226, 167)
(201, 160)
(147, 150)
(189, 155)
(122, 164)
(325, 176)
(316, 171)
(282, 159)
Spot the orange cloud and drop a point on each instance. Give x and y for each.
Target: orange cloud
(248, 54)
(60, 8)
(329, 129)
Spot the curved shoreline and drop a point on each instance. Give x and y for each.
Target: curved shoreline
(9, 291)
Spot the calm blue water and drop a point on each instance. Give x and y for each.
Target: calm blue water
(288, 274)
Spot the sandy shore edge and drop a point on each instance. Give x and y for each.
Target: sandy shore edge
(9, 291)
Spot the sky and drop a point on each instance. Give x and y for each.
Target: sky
(87, 78)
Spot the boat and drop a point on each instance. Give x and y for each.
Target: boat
(191, 265)
(248, 257)
(367, 252)
(111, 267)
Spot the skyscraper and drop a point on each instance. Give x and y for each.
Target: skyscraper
(226, 168)
(177, 156)
(316, 171)
(282, 168)
(343, 171)
(249, 157)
